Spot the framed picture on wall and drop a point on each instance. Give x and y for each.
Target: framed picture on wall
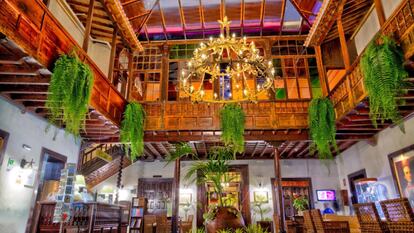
(402, 167)
(261, 196)
(185, 198)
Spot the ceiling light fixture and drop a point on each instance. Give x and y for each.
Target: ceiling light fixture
(227, 69)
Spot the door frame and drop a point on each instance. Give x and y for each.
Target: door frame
(5, 135)
(352, 175)
(34, 211)
(245, 201)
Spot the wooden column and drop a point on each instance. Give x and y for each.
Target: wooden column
(380, 12)
(176, 195)
(88, 26)
(113, 53)
(279, 191)
(345, 56)
(130, 74)
(321, 71)
(164, 72)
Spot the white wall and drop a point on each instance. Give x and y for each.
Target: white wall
(25, 128)
(372, 26)
(98, 50)
(374, 159)
(321, 176)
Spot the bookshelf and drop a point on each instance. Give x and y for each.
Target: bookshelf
(137, 215)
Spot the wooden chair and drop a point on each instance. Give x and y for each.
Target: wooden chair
(162, 224)
(328, 226)
(150, 222)
(308, 226)
(399, 215)
(369, 219)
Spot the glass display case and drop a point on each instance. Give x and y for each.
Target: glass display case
(370, 190)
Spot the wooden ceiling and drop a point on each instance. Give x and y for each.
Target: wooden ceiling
(354, 14)
(158, 20)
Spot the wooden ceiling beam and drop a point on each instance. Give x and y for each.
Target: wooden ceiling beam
(282, 17)
(299, 10)
(182, 18)
(201, 12)
(23, 89)
(163, 24)
(262, 12)
(242, 13)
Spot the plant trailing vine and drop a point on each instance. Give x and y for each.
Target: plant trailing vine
(322, 127)
(232, 126)
(132, 129)
(69, 93)
(384, 78)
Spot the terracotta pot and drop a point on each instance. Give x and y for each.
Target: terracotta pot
(225, 219)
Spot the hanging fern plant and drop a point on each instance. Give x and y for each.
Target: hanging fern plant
(322, 127)
(232, 126)
(384, 75)
(132, 129)
(69, 93)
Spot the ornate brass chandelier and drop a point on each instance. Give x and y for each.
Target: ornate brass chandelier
(227, 69)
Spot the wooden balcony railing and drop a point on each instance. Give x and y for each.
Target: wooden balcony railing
(172, 116)
(32, 27)
(350, 89)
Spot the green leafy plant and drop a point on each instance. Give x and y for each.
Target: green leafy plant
(260, 209)
(69, 93)
(214, 170)
(232, 126)
(301, 203)
(132, 129)
(322, 127)
(181, 149)
(384, 78)
(255, 229)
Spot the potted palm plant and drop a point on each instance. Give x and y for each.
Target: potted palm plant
(214, 171)
(300, 204)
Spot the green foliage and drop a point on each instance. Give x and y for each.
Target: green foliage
(232, 126)
(260, 209)
(255, 229)
(300, 203)
(213, 170)
(384, 75)
(132, 129)
(181, 150)
(322, 127)
(69, 93)
(280, 93)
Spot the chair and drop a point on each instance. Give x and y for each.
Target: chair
(328, 226)
(399, 215)
(162, 224)
(308, 226)
(369, 219)
(150, 222)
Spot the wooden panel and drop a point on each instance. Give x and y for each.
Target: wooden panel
(204, 116)
(32, 27)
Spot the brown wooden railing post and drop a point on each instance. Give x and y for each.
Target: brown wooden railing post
(88, 26)
(380, 12)
(113, 54)
(321, 71)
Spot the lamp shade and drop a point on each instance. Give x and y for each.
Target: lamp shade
(80, 180)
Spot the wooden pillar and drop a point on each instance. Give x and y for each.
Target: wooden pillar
(345, 56)
(279, 191)
(130, 74)
(321, 70)
(164, 73)
(380, 12)
(176, 195)
(88, 26)
(113, 53)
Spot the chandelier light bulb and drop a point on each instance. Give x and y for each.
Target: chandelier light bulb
(211, 38)
(233, 35)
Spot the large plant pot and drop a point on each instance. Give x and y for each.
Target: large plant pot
(266, 225)
(225, 219)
